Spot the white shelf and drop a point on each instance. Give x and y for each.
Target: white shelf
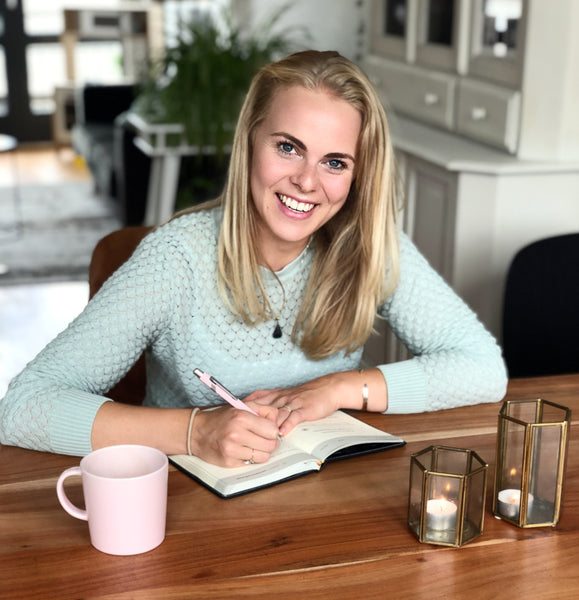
(456, 153)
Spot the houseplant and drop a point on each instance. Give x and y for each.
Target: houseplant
(200, 83)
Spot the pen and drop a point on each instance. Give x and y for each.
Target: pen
(220, 389)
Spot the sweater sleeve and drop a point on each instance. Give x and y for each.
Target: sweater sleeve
(52, 403)
(456, 361)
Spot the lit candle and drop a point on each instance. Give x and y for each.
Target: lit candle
(509, 502)
(440, 514)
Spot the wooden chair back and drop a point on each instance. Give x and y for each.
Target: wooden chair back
(109, 254)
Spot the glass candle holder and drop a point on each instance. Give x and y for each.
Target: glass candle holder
(447, 495)
(532, 441)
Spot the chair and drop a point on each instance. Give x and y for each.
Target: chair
(109, 254)
(541, 308)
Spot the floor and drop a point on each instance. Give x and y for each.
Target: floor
(31, 315)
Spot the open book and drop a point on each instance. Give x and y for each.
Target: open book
(307, 448)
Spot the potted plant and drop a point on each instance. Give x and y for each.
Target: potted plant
(200, 83)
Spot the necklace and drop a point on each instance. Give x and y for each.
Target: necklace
(277, 330)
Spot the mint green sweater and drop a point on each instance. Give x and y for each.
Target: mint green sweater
(165, 300)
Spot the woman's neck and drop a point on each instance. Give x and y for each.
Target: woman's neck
(278, 256)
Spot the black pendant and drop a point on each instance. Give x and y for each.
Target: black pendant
(277, 330)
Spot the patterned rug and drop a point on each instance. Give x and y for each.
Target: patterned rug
(48, 232)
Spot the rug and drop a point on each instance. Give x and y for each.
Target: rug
(48, 232)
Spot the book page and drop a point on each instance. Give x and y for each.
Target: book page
(285, 462)
(335, 432)
(303, 450)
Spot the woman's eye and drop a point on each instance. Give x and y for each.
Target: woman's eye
(336, 164)
(286, 147)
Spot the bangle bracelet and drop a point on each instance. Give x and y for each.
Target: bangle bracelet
(364, 395)
(190, 428)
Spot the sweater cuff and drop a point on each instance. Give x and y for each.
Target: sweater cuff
(407, 387)
(71, 425)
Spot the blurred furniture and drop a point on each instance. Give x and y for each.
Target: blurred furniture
(97, 107)
(165, 144)
(341, 533)
(109, 254)
(541, 308)
(9, 143)
(103, 136)
(64, 114)
(480, 97)
(176, 165)
(494, 71)
(137, 25)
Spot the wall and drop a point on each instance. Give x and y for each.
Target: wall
(332, 25)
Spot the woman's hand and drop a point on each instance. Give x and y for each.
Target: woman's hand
(320, 397)
(229, 437)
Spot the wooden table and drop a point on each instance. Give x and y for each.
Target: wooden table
(340, 533)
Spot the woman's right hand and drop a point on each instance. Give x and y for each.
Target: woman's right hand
(229, 437)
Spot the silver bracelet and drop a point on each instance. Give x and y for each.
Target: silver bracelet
(364, 395)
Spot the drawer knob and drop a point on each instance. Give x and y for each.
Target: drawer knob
(478, 113)
(430, 98)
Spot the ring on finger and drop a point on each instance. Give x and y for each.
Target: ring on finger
(250, 461)
(288, 407)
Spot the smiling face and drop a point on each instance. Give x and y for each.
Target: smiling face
(304, 154)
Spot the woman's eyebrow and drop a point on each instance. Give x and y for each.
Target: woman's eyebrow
(303, 147)
(291, 138)
(341, 155)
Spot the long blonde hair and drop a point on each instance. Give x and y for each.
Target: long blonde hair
(356, 251)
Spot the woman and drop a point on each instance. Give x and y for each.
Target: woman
(272, 289)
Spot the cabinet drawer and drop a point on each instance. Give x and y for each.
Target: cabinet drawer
(489, 113)
(424, 95)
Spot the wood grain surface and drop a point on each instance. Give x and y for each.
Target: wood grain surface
(340, 533)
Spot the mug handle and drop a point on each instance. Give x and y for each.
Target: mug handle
(68, 506)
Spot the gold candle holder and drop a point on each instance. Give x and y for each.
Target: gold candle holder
(532, 441)
(447, 495)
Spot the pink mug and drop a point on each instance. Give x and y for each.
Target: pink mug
(125, 493)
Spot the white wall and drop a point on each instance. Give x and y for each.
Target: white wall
(332, 24)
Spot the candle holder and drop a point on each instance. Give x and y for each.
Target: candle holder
(532, 441)
(447, 495)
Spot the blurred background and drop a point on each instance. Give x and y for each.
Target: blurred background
(119, 113)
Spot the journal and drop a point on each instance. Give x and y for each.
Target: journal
(307, 448)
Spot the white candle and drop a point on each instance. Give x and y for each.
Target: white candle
(509, 503)
(440, 514)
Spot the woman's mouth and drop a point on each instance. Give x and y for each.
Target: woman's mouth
(295, 205)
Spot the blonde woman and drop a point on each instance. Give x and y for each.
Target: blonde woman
(272, 289)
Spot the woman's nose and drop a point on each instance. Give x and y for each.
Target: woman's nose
(305, 177)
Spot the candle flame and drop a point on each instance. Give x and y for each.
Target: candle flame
(513, 472)
(447, 488)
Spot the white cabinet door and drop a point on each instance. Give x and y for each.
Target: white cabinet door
(431, 213)
(429, 219)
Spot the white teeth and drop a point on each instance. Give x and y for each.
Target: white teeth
(292, 203)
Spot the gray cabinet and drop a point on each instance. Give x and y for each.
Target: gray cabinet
(486, 130)
(502, 72)
(469, 209)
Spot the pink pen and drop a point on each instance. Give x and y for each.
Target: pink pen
(220, 389)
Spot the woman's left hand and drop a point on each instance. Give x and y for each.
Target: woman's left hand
(317, 398)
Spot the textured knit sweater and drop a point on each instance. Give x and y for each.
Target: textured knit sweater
(165, 299)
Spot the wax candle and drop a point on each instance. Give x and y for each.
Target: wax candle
(509, 503)
(440, 514)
